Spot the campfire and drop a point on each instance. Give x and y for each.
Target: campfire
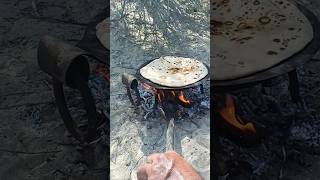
(170, 86)
(168, 102)
(171, 103)
(173, 96)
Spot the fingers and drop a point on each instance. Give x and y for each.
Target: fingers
(142, 172)
(157, 167)
(165, 163)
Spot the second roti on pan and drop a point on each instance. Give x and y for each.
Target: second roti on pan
(253, 35)
(174, 71)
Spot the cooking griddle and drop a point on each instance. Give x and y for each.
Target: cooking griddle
(158, 86)
(287, 66)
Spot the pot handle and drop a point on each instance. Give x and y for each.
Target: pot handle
(131, 83)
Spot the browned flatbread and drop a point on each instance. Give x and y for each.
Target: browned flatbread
(103, 33)
(174, 71)
(252, 35)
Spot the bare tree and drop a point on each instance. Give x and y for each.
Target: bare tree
(156, 24)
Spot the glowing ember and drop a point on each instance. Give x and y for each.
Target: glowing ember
(147, 86)
(229, 116)
(183, 99)
(177, 103)
(167, 95)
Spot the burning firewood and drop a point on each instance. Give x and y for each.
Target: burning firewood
(229, 116)
(229, 124)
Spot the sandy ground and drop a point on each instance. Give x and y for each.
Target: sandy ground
(309, 167)
(133, 138)
(34, 142)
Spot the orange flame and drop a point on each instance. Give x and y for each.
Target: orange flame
(183, 99)
(160, 95)
(172, 95)
(146, 86)
(228, 115)
(163, 95)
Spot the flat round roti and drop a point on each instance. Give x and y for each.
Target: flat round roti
(174, 71)
(252, 35)
(103, 33)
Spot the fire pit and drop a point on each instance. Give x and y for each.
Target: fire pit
(271, 136)
(170, 102)
(288, 66)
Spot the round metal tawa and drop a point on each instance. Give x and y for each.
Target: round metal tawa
(158, 86)
(286, 66)
(91, 43)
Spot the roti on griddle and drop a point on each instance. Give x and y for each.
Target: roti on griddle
(173, 71)
(103, 33)
(252, 35)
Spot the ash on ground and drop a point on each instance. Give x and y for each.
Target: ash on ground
(34, 140)
(291, 149)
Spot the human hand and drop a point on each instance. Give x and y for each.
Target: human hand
(166, 166)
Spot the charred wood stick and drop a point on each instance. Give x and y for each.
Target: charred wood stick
(170, 135)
